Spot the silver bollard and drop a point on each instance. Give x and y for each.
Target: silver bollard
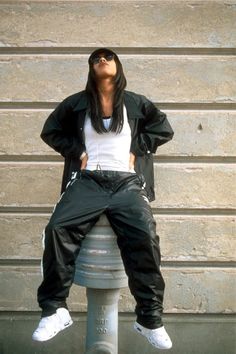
(99, 267)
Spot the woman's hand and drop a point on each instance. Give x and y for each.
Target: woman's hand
(131, 161)
(84, 162)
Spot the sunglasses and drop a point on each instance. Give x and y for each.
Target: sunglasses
(108, 57)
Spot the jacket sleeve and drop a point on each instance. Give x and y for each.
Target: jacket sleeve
(57, 134)
(155, 130)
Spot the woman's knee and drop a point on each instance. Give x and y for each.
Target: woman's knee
(52, 230)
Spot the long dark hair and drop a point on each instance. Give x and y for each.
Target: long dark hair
(94, 100)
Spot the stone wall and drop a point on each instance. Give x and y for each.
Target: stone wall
(180, 54)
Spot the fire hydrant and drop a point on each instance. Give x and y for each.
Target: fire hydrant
(99, 268)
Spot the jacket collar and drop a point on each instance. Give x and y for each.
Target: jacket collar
(133, 110)
(82, 103)
(132, 107)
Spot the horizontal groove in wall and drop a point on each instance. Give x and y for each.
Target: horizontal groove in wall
(33, 161)
(31, 158)
(198, 106)
(195, 211)
(120, 50)
(32, 315)
(165, 264)
(158, 211)
(28, 105)
(20, 262)
(183, 106)
(197, 264)
(195, 159)
(157, 159)
(124, 316)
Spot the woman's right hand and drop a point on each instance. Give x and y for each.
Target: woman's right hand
(131, 161)
(84, 162)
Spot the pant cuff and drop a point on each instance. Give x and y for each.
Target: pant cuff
(150, 324)
(48, 310)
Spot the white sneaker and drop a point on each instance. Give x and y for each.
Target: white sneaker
(157, 337)
(49, 326)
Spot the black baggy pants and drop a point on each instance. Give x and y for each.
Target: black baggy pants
(121, 197)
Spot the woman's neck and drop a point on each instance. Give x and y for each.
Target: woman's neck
(106, 89)
(106, 93)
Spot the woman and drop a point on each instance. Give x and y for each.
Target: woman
(107, 136)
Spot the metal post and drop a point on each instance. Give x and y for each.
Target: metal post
(102, 321)
(99, 267)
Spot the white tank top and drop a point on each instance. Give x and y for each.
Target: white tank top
(108, 151)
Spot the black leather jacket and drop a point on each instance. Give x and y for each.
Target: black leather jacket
(63, 131)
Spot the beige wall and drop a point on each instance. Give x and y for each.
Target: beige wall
(178, 53)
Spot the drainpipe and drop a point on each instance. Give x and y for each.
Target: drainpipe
(99, 268)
